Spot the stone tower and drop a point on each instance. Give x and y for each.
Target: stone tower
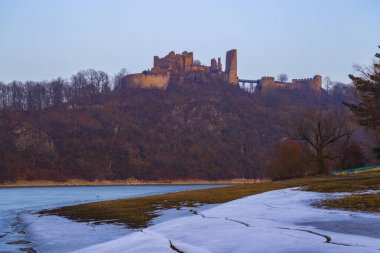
(231, 67)
(214, 65)
(220, 65)
(317, 82)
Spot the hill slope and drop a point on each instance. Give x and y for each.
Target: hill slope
(197, 131)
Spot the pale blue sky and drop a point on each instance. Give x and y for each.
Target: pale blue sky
(44, 39)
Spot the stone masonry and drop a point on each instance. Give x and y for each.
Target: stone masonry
(182, 65)
(314, 83)
(181, 69)
(231, 66)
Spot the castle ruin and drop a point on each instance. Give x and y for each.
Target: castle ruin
(182, 66)
(314, 84)
(181, 69)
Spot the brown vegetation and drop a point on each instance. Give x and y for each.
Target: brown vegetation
(355, 202)
(320, 129)
(288, 160)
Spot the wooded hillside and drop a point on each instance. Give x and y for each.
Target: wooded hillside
(202, 130)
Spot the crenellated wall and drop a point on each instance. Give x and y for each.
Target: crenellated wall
(267, 82)
(314, 83)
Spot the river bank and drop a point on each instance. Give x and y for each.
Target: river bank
(78, 182)
(138, 212)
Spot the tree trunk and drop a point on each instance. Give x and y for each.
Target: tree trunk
(321, 162)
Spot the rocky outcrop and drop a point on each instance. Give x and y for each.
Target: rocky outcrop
(27, 137)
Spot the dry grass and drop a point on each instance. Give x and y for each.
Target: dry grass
(138, 212)
(356, 202)
(131, 181)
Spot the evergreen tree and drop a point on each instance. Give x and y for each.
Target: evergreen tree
(367, 108)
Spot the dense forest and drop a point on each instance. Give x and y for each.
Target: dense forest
(93, 127)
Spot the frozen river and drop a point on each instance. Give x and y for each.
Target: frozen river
(18, 221)
(280, 221)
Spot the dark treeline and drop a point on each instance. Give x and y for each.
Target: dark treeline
(36, 96)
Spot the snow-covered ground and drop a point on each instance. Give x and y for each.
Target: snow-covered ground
(50, 233)
(276, 221)
(20, 221)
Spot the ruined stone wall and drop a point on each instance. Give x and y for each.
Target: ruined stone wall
(267, 82)
(195, 76)
(181, 67)
(169, 62)
(200, 68)
(284, 85)
(147, 81)
(231, 67)
(220, 68)
(314, 83)
(188, 60)
(214, 65)
(174, 61)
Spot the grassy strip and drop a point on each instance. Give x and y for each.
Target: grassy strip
(138, 212)
(355, 202)
(78, 182)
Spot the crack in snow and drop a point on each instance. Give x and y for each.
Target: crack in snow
(172, 246)
(326, 237)
(202, 215)
(264, 219)
(266, 223)
(1, 236)
(270, 205)
(240, 222)
(175, 248)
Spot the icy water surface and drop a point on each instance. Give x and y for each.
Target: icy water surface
(18, 221)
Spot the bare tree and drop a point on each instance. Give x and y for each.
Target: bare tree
(56, 91)
(79, 83)
(197, 63)
(282, 78)
(4, 93)
(104, 84)
(328, 83)
(17, 91)
(98, 80)
(320, 129)
(117, 79)
(36, 96)
(342, 92)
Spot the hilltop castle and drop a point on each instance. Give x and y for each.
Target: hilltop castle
(182, 69)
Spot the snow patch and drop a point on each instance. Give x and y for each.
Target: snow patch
(269, 222)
